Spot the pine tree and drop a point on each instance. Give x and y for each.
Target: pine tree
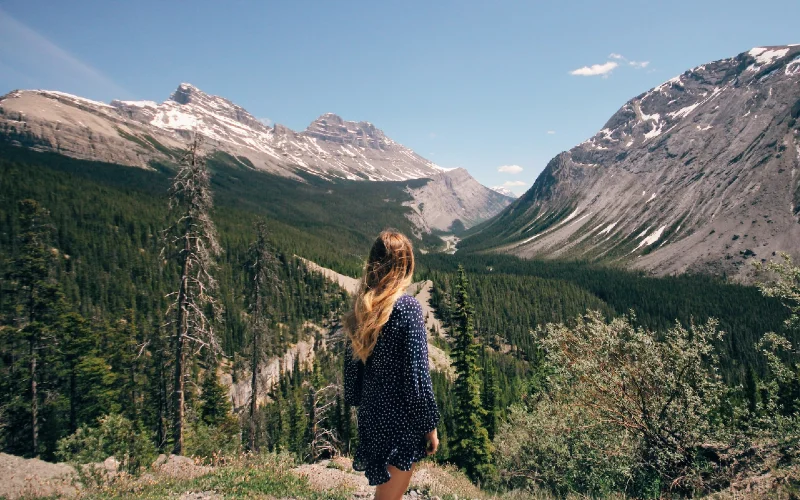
(263, 286)
(38, 301)
(470, 446)
(215, 407)
(191, 241)
(490, 398)
(127, 363)
(75, 340)
(751, 391)
(298, 420)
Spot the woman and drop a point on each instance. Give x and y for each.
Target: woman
(386, 370)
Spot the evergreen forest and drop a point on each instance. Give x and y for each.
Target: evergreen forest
(134, 302)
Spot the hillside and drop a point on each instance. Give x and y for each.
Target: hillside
(699, 174)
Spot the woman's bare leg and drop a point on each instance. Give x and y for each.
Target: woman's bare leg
(394, 488)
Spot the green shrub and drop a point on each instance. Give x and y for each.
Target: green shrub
(626, 409)
(114, 436)
(212, 442)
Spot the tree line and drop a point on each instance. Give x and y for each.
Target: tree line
(135, 321)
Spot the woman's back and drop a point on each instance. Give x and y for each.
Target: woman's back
(394, 394)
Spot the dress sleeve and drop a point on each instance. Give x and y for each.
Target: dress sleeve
(353, 376)
(419, 388)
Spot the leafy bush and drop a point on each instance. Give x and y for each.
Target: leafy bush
(213, 442)
(778, 410)
(114, 436)
(626, 410)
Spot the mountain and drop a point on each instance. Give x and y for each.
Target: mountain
(453, 201)
(698, 174)
(138, 133)
(504, 191)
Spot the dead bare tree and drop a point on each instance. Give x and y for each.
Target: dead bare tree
(191, 241)
(323, 439)
(264, 287)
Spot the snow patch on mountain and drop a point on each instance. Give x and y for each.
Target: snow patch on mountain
(504, 191)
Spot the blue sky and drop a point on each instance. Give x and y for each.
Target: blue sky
(473, 84)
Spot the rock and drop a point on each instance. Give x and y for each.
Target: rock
(26, 478)
(342, 463)
(201, 495)
(111, 464)
(161, 460)
(180, 467)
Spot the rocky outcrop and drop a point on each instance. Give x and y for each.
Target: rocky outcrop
(300, 354)
(34, 478)
(697, 174)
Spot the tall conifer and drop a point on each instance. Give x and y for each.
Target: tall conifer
(470, 445)
(262, 289)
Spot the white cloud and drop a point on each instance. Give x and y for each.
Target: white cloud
(595, 69)
(510, 169)
(44, 64)
(510, 184)
(266, 121)
(551, 132)
(605, 69)
(432, 135)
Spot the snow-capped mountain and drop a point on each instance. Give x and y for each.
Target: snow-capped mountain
(504, 191)
(136, 132)
(701, 173)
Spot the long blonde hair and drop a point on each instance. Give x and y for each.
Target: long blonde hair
(387, 274)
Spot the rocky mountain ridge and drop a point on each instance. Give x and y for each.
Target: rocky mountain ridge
(136, 133)
(699, 174)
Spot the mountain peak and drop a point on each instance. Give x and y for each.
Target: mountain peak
(504, 191)
(185, 92)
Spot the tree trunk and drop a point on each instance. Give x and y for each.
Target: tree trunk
(179, 387)
(34, 402)
(73, 395)
(180, 355)
(161, 435)
(251, 441)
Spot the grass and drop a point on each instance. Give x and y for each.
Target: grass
(262, 476)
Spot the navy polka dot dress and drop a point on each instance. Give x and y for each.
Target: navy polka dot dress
(393, 393)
